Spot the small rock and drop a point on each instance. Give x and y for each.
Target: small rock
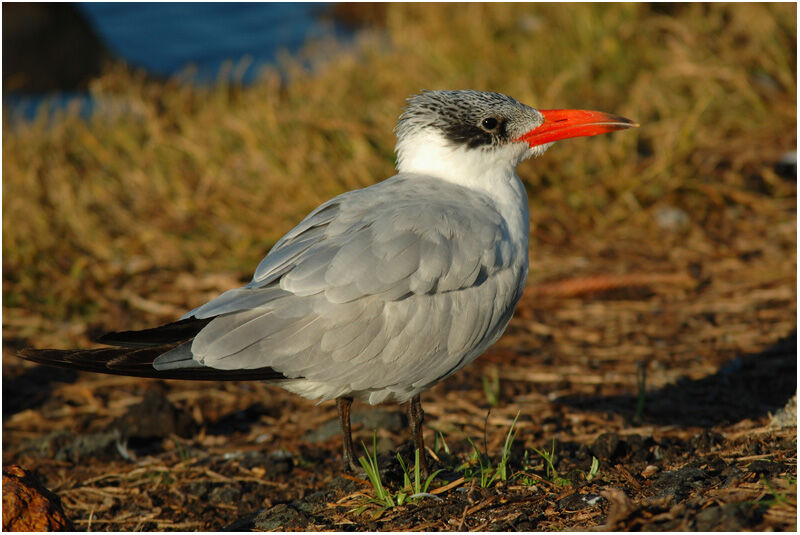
(227, 494)
(89, 445)
(766, 468)
(282, 516)
(678, 482)
(28, 505)
(605, 446)
(343, 485)
(311, 503)
(649, 470)
(65, 446)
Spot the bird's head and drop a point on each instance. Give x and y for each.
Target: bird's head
(479, 133)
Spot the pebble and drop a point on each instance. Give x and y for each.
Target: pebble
(649, 470)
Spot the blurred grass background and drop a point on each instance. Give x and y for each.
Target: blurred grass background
(133, 217)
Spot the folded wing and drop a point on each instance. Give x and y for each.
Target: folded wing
(390, 287)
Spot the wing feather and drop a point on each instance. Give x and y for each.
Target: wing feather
(385, 288)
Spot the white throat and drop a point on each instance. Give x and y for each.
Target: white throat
(427, 152)
(491, 171)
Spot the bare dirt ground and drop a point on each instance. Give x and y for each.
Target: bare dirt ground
(674, 376)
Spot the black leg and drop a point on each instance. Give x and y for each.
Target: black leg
(415, 418)
(349, 458)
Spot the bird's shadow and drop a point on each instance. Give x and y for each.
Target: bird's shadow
(750, 386)
(32, 388)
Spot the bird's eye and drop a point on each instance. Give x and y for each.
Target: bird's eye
(490, 123)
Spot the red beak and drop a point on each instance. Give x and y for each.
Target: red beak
(561, 124)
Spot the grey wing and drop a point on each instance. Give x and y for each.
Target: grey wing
(383, 289)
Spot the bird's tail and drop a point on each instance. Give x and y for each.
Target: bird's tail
(138, 349)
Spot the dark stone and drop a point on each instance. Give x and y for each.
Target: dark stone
(311, 503)
(679, 482)
(91, 445)
(65, 446)
(342, 485)
(227, 494)
(154, 418)
(766, 468)
(606, 446)
(282, 516)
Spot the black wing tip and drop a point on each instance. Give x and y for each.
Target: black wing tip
(34, 355)
(48, 357)
(177, 331)
(117, 338)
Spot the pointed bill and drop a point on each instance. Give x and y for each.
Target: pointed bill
(562, 124)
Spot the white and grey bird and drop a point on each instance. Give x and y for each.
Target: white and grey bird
(382, 292)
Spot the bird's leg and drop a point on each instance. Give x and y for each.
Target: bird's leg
(349, 458)
(415, 418)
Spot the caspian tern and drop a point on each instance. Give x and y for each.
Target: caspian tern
(381, 292)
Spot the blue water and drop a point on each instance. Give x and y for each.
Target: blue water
(166, 38)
